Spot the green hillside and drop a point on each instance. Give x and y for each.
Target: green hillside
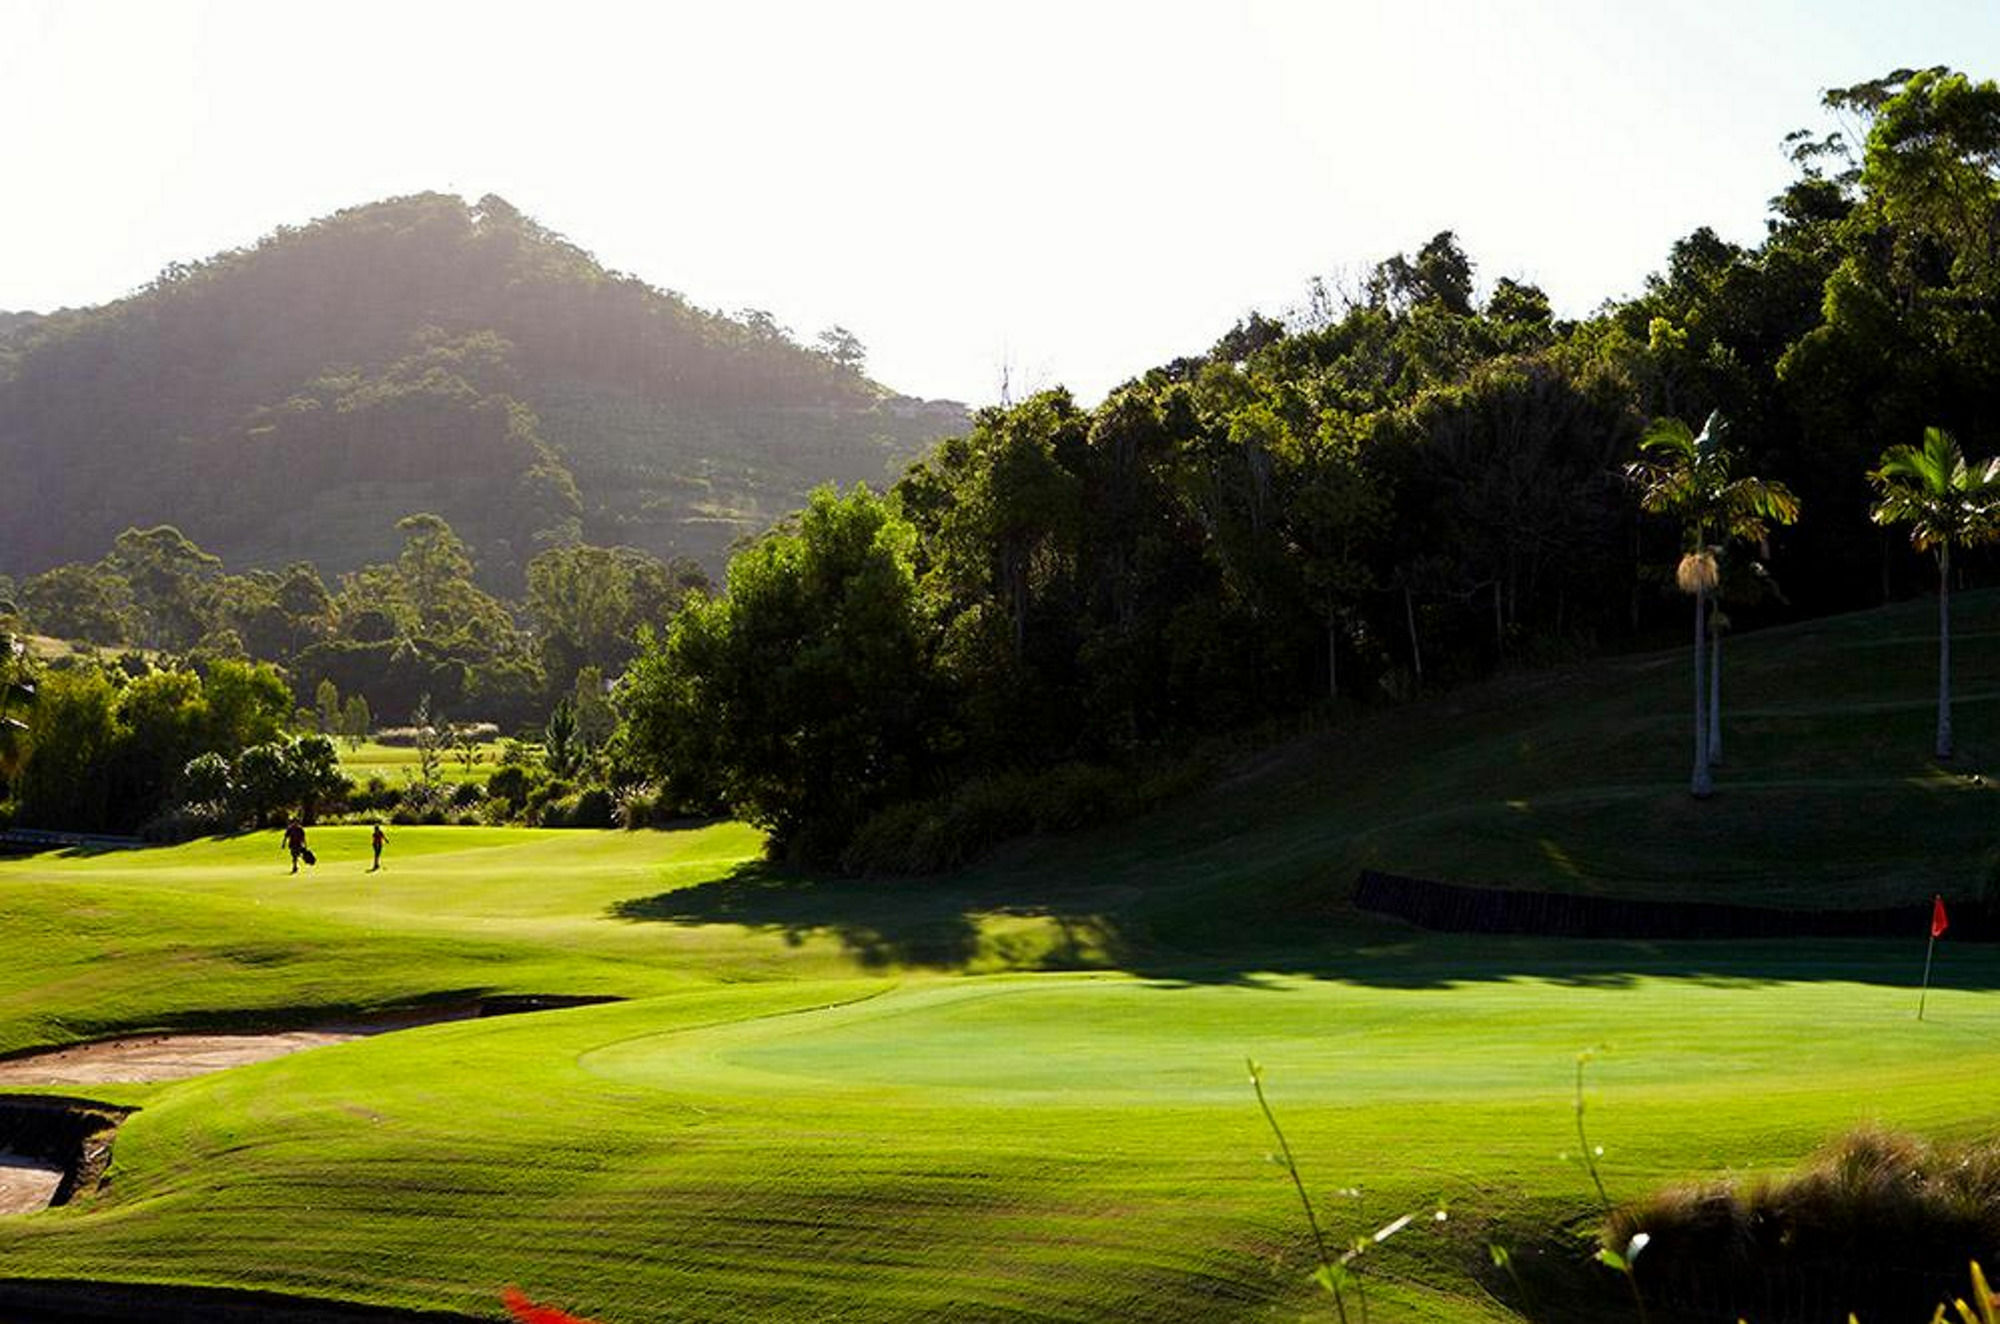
(293, 399)
(1019, 1093)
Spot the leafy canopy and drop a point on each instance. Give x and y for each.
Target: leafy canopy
(1945, 500)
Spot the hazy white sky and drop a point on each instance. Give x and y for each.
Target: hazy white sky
(1077, 189)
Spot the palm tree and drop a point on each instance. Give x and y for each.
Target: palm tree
(1691, 477)
(1946, 501)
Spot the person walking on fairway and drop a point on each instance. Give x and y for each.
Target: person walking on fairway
(376, 839)
(295, 842)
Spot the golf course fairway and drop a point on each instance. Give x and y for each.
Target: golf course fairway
(1021, 1093)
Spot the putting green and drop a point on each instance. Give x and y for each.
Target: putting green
(1115, 1041)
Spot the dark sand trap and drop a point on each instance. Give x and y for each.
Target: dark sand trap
(27, 1184)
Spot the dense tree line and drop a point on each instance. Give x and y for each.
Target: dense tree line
(106, 746)
(1398, 489)
(199, 699)
(388, 634)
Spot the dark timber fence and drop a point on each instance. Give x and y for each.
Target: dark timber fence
(1455, 908)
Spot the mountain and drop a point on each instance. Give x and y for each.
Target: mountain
(292, 400)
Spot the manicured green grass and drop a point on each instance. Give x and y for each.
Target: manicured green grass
(398, 766)
(1020, 1093)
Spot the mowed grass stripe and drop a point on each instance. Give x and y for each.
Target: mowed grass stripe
(810, 1110)
(623, 1157)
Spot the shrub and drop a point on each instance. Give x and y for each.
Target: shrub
(186, 822)
(480, 732)
(511, 783)
(539, 799)
(647, 806)
(206, 780)
(421, 799)
(373, 796)
(466, 794)
(593, 808)
(1880, 1222)
(952, 830)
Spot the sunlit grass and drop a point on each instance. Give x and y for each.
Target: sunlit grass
(1019, 1092)
(398, 765)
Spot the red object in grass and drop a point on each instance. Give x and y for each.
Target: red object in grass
(527, 1312)
(1938, 922)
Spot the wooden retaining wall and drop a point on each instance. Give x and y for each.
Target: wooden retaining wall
(1456, 908)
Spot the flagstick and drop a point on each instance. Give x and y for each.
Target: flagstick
(1927, 976)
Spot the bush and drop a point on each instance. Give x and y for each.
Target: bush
(511, 783)
(186, 822)
(374, 796)
(422, 799)
(548, 793)
(592, 809)
(466, 794)
(647, 806)
(952, 830)
(1881, 1222)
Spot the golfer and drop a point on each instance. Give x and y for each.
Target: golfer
(295, 842)
(376, 839)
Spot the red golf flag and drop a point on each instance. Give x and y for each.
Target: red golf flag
(1938, 922)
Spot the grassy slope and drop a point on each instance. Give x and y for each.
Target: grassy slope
(812, 1111)
(397, 764)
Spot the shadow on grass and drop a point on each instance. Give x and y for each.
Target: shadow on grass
(956, 923)
(882, 925)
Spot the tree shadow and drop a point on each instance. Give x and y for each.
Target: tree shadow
(881, 925)
(1262, 944)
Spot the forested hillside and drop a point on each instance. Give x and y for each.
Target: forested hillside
(291, 401)
(1413, 481)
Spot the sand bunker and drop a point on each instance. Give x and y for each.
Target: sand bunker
(27, 1184)
(156, 1057)
(143, 1058)
(149, 1057)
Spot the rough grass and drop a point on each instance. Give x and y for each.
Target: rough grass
(1018, 1093)
(1878, 1222)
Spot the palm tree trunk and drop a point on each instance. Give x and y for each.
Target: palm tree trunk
(1416, 648)
(1944, 651)
(1703, 784)
(1714, 699)
(1332, 659)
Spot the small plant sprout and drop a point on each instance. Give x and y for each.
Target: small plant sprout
(1623, 1260)
(1985, 1308)
(1327, 1274)
(1335, 1276)
(1588, 1153)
